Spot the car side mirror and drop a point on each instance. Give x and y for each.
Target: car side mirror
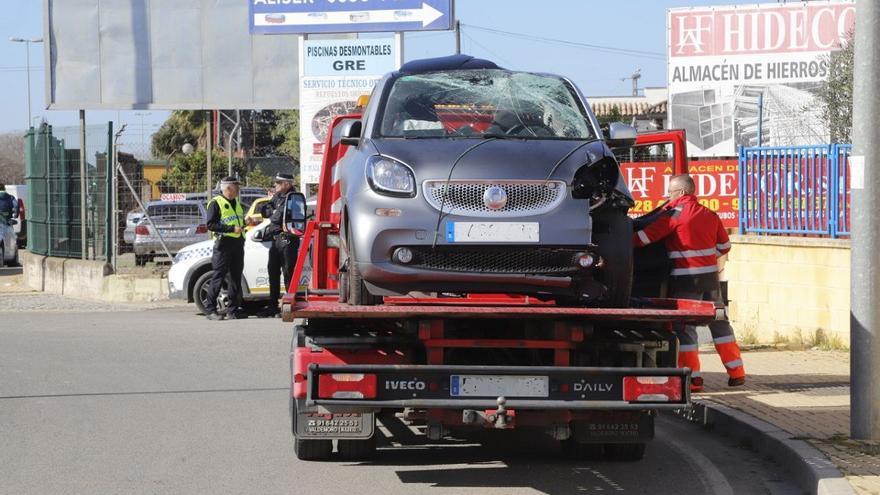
(620, 135)
(350, 131)
(258, 235)
(12, 222)
(295, 211)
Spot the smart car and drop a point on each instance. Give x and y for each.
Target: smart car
(464, 177)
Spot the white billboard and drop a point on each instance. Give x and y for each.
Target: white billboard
(164, 54)
(334, 73)
(723, 61)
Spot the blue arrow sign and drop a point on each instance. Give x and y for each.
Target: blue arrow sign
(348, 16)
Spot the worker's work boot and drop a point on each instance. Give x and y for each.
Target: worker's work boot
(697, 384)
(236, 315)
(736, 382)
(214, 316)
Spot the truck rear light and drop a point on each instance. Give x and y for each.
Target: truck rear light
(202, 229)
(347, 386)
(652, 388)
(142, 230)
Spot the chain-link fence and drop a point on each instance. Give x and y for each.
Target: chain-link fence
(161, 202)
(62, 221)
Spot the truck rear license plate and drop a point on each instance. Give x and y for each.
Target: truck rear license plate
(493, 232)
(496, 386)
(339, 425)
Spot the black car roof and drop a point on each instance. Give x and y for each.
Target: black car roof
(450, 62)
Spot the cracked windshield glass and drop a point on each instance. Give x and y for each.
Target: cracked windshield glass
(482, 104)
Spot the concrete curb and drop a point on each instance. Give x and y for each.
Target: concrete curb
(815, 473)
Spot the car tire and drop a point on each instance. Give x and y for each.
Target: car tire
(308, 449)
(613, 236)
(200, 290)
(140, 259)
(624, 452)
(358, 295)
(356, 290)
(577, 451)
(357, 450)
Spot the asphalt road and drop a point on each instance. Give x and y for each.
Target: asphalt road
(163, 401)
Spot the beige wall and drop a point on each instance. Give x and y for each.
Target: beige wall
(787, 288)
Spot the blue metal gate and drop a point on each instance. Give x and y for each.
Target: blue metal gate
(795, 190)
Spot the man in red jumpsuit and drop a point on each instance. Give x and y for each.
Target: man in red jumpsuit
(694, 239)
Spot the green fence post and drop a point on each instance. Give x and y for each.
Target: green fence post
(109, 162)
(49, 191)
(29, 176)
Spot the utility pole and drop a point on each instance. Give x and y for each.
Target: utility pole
(27, 45)
(458, 37)
(865, 268)
(210, 147)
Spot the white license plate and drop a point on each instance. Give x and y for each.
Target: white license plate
(496, 386)
(492, 232)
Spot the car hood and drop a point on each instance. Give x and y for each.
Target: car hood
(492, 159)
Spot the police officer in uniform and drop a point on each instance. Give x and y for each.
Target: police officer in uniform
(226, 223)
(285, 244)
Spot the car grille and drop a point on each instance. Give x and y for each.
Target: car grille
(493, 259)
(465, 198)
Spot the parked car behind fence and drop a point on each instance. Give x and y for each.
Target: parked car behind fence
(180, 223)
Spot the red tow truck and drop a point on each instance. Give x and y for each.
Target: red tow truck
(592, 378)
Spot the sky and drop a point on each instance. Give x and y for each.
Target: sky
(629, 24)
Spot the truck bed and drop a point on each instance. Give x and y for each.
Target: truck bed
(646, 310)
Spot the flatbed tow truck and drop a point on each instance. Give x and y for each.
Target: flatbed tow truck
(592, 378)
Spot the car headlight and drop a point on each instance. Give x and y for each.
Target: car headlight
(391, 177)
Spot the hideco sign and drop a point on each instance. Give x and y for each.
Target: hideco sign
(333, 74)
(717, 182)
(725, 61)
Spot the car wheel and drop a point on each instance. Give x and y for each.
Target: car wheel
(577, 451)
(624, 452)
(309, 449)
(140, 260)
(200, 294)
(613, 235)
(357, 450)
(358, 295)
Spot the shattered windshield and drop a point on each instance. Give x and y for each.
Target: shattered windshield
(484, 103)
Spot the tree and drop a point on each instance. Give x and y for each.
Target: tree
(613, 116)
(256, 178)
(12, 158)
(188, 173)
(287, 131)
(182, 126)
(835, 94)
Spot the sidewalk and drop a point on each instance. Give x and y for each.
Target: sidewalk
(805, 393)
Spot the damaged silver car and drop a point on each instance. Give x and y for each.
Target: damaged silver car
(464, 177)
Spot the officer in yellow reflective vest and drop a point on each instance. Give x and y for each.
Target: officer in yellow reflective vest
(226, 223)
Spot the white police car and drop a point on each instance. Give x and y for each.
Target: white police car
(190, 273)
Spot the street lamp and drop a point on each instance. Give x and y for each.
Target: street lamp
(27, 43)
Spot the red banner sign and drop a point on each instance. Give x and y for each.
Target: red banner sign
(717, 186)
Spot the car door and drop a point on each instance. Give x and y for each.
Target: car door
(256, 257)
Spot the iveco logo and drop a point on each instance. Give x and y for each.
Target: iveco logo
(495, 198)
